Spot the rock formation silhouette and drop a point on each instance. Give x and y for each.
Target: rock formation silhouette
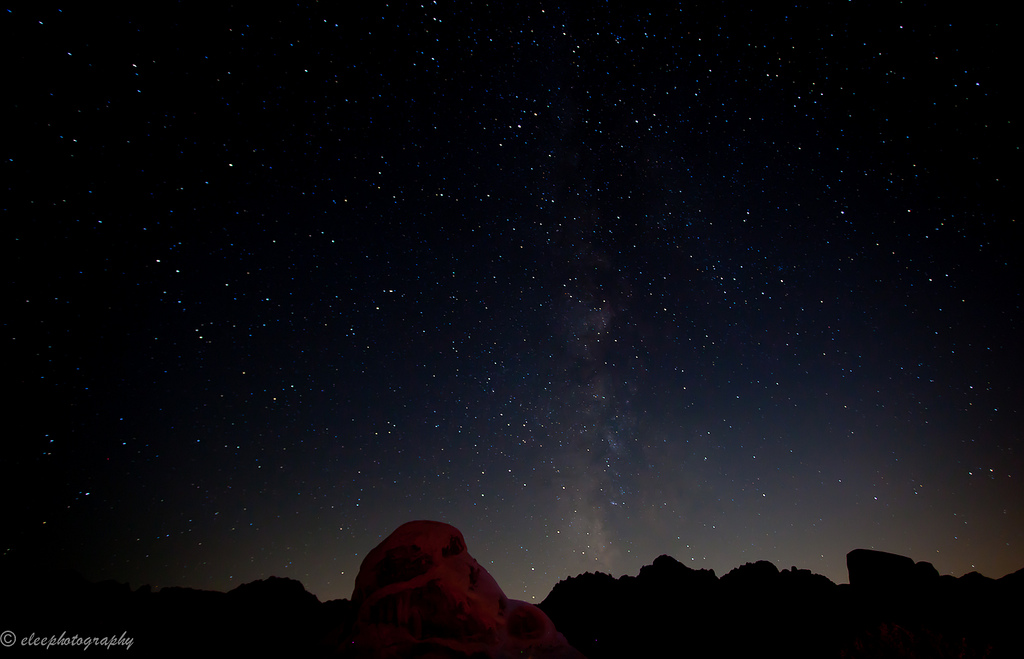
(421, 594)
(891, 608)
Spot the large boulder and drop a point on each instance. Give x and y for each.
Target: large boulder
(878, 570)
(419, 593)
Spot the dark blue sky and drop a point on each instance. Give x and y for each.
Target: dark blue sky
(592, 284)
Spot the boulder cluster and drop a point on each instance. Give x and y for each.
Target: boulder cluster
(421, 594)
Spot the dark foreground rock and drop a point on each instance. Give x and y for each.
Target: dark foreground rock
(420, 594)
(892, 607)
(62, 611)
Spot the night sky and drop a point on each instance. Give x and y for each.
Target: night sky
(730, 281)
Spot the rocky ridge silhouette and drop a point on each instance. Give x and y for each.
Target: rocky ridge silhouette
(892, 607)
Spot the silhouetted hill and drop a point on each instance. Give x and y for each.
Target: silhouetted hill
(267, 617)
(893, 607)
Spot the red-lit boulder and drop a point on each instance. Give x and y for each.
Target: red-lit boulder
(420, 594)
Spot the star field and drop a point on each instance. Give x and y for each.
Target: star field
(593, 284)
